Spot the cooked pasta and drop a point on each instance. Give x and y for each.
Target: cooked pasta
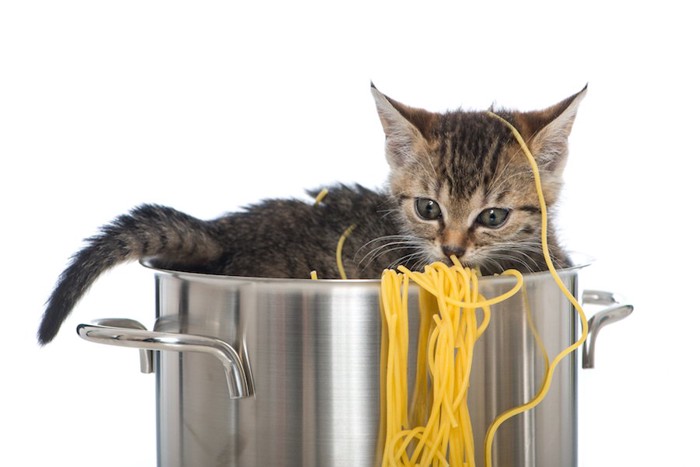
(320, 196)
(339, 251)
(582, 315)
(436, 429)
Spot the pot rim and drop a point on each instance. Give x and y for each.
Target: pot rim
(579, 260)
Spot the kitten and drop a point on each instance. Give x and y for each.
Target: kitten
(458, 184)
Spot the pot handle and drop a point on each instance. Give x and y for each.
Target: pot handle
(130, 333)
(614, 311)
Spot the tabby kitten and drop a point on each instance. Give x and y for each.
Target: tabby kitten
(458, 184)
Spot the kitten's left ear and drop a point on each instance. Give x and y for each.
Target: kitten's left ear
(405, 129)
(550, 129)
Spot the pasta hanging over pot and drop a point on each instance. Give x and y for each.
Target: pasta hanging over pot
(437, 429)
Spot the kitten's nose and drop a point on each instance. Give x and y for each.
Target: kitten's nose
(450, 250)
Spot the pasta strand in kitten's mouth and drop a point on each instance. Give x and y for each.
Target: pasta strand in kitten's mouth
(450, 351)
(434, 427)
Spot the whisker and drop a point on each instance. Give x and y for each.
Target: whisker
(380, 247)
(406, 259)
(381, 252)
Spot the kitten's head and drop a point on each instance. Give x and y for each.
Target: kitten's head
(464, 186)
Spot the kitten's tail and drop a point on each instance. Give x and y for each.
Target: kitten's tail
(148, 231)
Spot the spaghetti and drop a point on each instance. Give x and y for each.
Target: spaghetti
(582, 315)
(339, 251)
(320, 196)
(437, 429)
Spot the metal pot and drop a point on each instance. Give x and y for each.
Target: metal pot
(299, 384)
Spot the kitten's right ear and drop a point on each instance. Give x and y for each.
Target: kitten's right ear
(404, 128)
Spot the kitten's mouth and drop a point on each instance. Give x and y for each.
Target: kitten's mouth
(468, 260)
(453, 259)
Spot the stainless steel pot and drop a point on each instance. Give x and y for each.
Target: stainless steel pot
(268, 372)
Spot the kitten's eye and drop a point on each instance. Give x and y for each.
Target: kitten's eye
(428, 209)
(493, 217)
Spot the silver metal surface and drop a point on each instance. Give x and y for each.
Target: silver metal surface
(237, 382)
(123, 325)
(313, 349)
(614, 311)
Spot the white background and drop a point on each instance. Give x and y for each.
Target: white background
(207, 106)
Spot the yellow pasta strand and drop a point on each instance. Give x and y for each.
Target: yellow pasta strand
(441, 432)
(339, 251)
(438, 429)
(320, 196)
(582, 316)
